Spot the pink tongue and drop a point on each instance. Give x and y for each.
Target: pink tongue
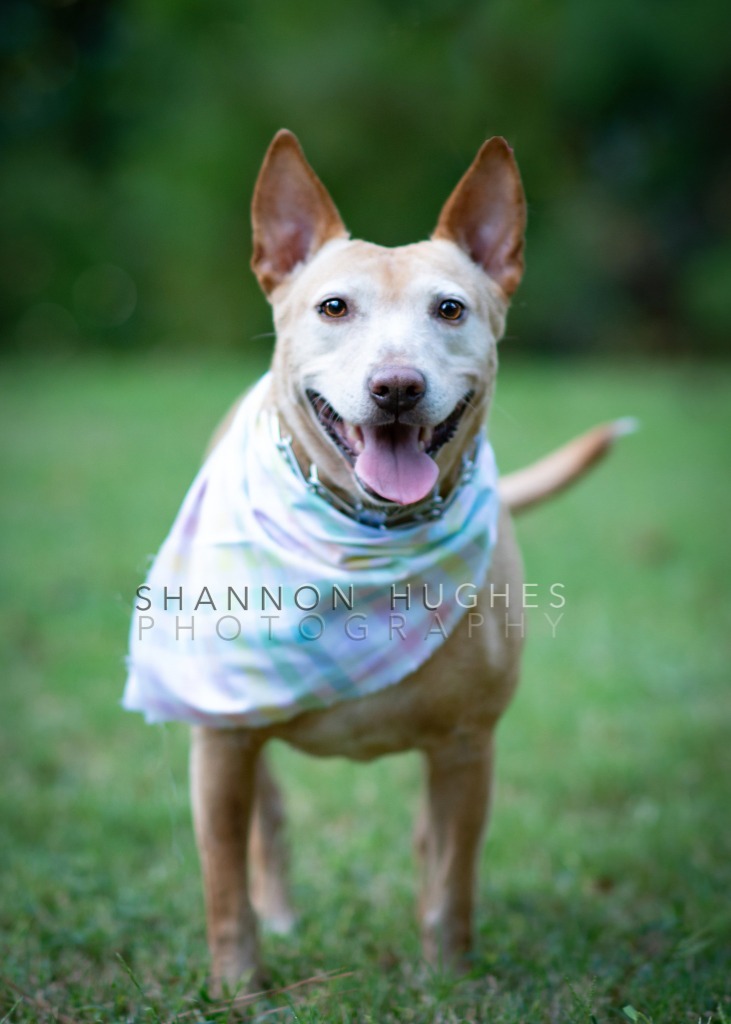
(393, 466)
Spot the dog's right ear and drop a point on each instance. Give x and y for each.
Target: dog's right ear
(292, 213)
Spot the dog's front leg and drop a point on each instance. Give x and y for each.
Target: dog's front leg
(449, 836)
(223, 779)
(269, 855)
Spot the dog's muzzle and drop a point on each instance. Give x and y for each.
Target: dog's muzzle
(394, 461)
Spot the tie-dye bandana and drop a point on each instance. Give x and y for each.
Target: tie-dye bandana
(265, 601)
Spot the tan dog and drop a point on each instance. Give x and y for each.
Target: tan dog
(383, 373)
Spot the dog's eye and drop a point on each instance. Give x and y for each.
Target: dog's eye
(333, 307)
(451, 309)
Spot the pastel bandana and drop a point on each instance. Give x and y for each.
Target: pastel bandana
(265, 601)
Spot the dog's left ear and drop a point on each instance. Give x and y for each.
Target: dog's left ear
(292, 213)
(486, 214)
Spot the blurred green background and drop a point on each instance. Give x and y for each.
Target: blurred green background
(132, 131)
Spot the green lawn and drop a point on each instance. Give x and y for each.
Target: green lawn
(606, 876)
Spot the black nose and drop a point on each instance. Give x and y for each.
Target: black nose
(397, 389)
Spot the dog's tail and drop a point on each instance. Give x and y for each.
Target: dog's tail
(552, 473)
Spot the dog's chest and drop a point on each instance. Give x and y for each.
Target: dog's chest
(460, 690)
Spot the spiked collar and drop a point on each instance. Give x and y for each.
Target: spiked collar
(396, 517)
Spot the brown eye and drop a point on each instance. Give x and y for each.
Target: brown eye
(333, 307)
(451, 309)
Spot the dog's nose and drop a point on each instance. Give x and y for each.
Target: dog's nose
(397, 389)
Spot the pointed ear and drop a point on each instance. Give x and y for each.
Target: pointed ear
(291, 212)
(486, 215)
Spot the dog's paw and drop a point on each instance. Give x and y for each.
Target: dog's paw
(280, 922)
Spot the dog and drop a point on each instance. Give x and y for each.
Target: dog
(381, 380)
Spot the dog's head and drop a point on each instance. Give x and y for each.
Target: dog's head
(385, 358)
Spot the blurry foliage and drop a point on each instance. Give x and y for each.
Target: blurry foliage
(132, 131)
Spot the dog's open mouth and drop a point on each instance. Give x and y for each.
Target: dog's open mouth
(393, 461)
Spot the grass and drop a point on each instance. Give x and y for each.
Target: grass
(604, 891)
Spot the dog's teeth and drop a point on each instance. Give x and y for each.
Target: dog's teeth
(354, 437)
